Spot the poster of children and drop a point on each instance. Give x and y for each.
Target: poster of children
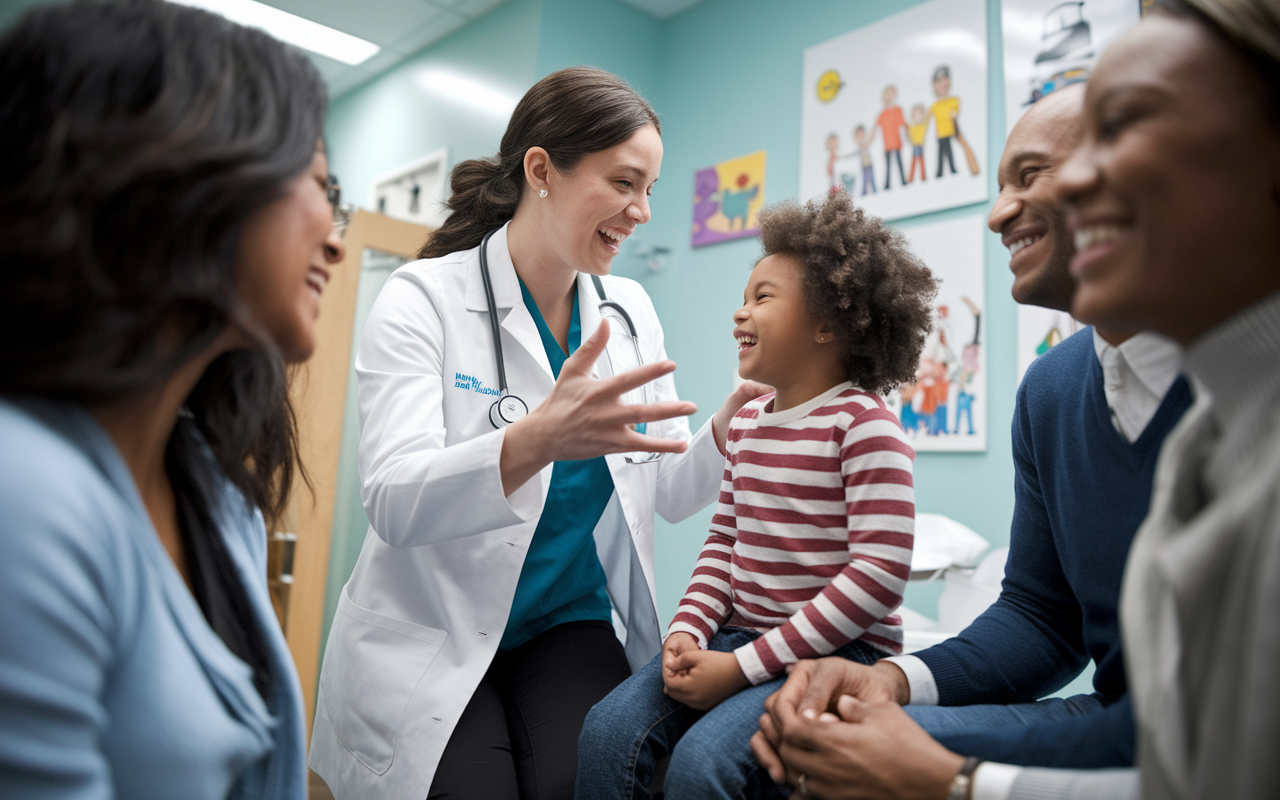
(1038, 330)
(945, 409)
(1049, 44)
(726, 199)
(895, 112)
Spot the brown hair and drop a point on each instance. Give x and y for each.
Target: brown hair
(127, 172)
(862, 281)
(570, 114)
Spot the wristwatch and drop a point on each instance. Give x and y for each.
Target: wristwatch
(962, 785)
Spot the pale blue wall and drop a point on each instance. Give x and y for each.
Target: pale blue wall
(601, 33)
(726, 80)
(394, 119)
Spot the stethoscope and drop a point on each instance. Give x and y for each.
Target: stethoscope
(509, 408)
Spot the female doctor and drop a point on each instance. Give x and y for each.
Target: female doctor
(510, 489)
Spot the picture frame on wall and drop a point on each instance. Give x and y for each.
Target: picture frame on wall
(945, 408)
(895, 112)
(414, 192)
(1051, 44)
(727, 197)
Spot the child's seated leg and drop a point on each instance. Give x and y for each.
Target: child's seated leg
(713, 760)
(625, 734)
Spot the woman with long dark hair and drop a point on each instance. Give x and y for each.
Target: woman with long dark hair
(165, 234)
(509, 482)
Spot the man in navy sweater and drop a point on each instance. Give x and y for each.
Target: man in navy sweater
(1091, 416)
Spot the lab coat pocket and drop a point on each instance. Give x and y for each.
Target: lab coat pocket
(371, 667)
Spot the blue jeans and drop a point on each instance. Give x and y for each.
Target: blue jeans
(627, 732)
(945, 720)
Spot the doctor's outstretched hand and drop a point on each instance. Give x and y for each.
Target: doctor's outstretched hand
(585, 417)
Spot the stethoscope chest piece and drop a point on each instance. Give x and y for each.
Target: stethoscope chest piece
(506, 410)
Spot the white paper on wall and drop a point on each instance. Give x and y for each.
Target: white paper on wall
(1049, 44)
(895, 112)
(1038, 330)
(945, 410)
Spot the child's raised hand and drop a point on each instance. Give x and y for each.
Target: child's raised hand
(702, 679)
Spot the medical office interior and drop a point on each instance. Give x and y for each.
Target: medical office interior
(727, 79)
(759, 101)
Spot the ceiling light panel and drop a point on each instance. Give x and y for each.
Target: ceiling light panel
(291, 28)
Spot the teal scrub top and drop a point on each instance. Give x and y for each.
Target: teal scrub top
(562, 580)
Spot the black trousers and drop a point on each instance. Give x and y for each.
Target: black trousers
(518, 737)
(944, 154)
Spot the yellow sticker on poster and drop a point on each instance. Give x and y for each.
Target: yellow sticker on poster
(829, 85)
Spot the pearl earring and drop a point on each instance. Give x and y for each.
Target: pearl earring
(542, 193)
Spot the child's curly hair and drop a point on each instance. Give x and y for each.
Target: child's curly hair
(862, 281)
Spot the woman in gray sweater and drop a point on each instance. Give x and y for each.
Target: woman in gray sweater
(1175, 206)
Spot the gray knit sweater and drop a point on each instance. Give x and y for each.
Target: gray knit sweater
(1201, 602)
(1200, 610)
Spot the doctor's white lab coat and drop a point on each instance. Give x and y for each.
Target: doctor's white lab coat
(421, 617)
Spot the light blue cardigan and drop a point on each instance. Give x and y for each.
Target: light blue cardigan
(111, 682)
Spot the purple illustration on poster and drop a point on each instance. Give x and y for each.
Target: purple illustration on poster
(726, 199)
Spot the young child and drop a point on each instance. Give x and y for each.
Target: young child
(915, 132)
(810, 545)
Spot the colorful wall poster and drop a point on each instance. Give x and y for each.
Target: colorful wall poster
(1049, 44)
(895, 112)
(1038, 330)
(726, 199)
(945, 409)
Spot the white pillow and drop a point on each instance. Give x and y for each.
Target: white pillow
(942, 542)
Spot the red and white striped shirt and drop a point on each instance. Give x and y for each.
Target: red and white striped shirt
(811, 540)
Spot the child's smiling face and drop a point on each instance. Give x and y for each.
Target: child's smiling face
(774, 329)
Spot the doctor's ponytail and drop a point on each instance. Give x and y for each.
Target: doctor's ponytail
(570, 114)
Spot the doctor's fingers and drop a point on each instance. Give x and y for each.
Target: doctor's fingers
(640, 443)
(656, 412)
(624, 382)
(584, 358)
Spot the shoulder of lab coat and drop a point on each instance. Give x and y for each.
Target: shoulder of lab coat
(415, 489)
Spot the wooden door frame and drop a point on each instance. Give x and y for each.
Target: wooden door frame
(318, 390)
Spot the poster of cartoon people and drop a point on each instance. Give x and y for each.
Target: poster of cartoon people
(945, 408)
(1049, 44)
(726, 199)
(895, 112)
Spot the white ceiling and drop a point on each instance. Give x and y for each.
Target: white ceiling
(400, 27)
